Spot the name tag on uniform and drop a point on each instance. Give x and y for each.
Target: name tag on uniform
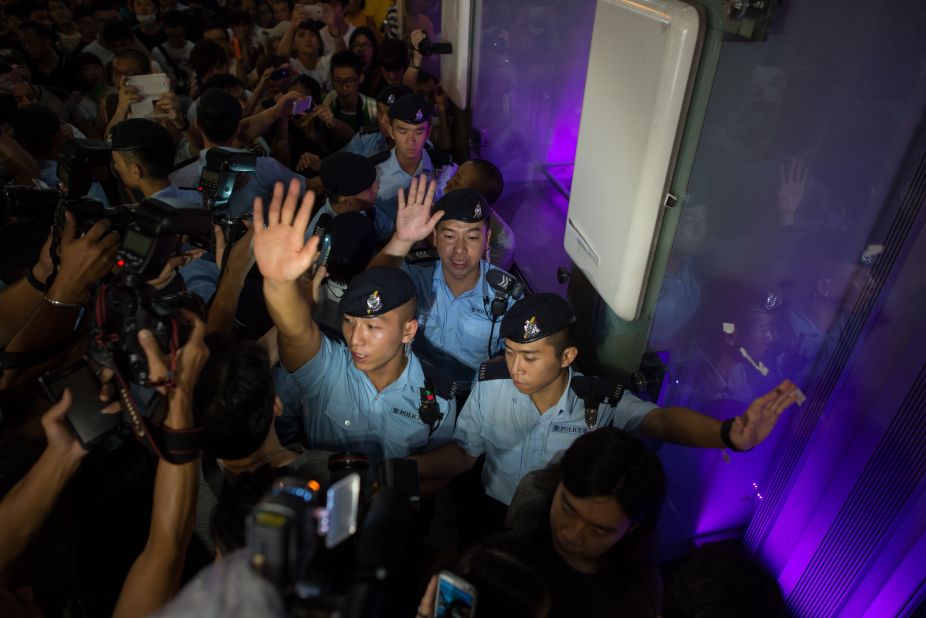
(412, 415)
(574, 429)
(479, 312)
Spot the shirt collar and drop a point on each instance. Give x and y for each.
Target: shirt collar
(424, 166)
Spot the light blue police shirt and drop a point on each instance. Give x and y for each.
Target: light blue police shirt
(366, 144)
(384, 227)
(392, 178)
(343, 411)
(503, 423)
(457, 325)
(269, 171)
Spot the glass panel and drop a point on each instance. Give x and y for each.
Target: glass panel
(804, 137)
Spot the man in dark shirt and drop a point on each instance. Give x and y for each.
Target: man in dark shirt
(148, 30)
(48, 68)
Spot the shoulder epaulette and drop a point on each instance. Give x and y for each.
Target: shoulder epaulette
(444, 387)
(379, 157)
(493, 370)
(590, 388)
(422, 256)
(183, 164)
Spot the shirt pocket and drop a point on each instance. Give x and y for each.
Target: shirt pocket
(504, 450)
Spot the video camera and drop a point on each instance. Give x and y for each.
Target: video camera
(285, 530)
(426, 47)
(129, 305)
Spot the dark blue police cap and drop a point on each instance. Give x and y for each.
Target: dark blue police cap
(411, 109)
(535, 317)
(347, 173)
(376, 291)
(463, 205)
(138, 133)
(392, 93)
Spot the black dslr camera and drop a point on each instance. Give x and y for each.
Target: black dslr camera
(426, 47)
(128, 304)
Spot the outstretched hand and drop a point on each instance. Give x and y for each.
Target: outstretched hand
(414, 220)
(757, 422)
(280, 246)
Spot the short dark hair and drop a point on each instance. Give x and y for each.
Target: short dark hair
(116, 31)
(315, 26)
(393, 55)
(346, 59)
(234, 397)
(157, 160)
(207, 55)
(222, 81)
(34, 128)
(240, 16)
(214, 25)
(174, 19)
(311, 84)
(86, 59)
(41, 30)
(80, 11)
(370, 35)
(134, 55)
(489, 180)
(561, 340)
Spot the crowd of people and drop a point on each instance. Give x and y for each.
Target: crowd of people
(364, 312)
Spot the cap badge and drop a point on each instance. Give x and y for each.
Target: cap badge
(374, 302)
(477, 211)
(419, 116)
(531, 329)
(390, 99)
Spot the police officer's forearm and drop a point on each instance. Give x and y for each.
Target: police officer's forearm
(298, 336)
(446, 461)
(680, 425)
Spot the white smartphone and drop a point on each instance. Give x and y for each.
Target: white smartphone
(150, 87)
(315, 11)
(456, 597)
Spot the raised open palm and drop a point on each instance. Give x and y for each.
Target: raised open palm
(760, 418)
(414, 220)
(280, 247)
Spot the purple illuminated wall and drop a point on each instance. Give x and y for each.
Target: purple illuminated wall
(801, 228)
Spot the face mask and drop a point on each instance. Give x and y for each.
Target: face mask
(147, 20)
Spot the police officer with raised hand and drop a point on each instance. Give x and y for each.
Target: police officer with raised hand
(370, 394)
(458, 310)
(524, 413)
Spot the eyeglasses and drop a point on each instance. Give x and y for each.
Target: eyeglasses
(350, 81)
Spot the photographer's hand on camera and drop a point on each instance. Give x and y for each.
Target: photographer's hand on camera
(234, 273)
(414, 39)
(187, 364)
(172, 265)
(84, 260)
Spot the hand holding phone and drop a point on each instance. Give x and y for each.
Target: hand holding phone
(455, 596)
(83, 414)
(303, 106)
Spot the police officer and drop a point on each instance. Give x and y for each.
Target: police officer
(143, 155)
(370, 394)
(370, 141)
(459, 312)
(524, 413)
(409, 127)
(350, 183)
(219, 118)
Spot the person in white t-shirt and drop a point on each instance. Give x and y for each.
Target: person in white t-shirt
(302, 43)
(338, 27)
(174, 55)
